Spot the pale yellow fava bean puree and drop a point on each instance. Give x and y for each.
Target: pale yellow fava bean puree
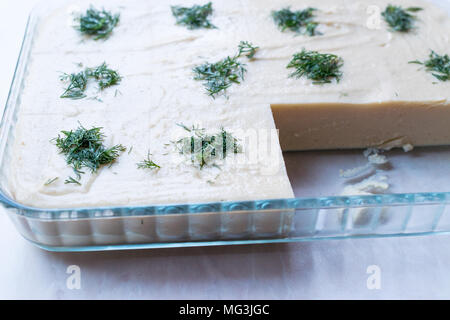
(379, 97)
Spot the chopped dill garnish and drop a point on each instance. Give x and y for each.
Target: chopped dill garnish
(204, 149)
(72, 180)
(83, 148)
(50, 181)
(219, 76)
(319, 67)
(104, 76)
(400, 19)
(97, 23)
(298, 21)
(77, 85)
(147, 163)
(247, 49)
(194, 17)
(438, 65)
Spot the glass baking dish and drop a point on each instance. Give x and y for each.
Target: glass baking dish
(416, 206)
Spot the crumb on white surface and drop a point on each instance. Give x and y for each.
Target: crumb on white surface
(374, 158)
(407, 147)
(372, 185)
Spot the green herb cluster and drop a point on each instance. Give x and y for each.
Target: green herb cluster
(247, 49)
(438, 65)
(204, 149)
(194, 17)
(147, 163)
(77, 85)
(104, 76)
(400, 19)
(219, 76)
(319, 67)
(97, 23)
(83, 148)
(298, 21)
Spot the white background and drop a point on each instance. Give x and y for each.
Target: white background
(414, 267)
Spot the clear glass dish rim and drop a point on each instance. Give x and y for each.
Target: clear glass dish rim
(299, 203)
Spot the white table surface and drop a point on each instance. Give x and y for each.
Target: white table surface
(413, 267)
